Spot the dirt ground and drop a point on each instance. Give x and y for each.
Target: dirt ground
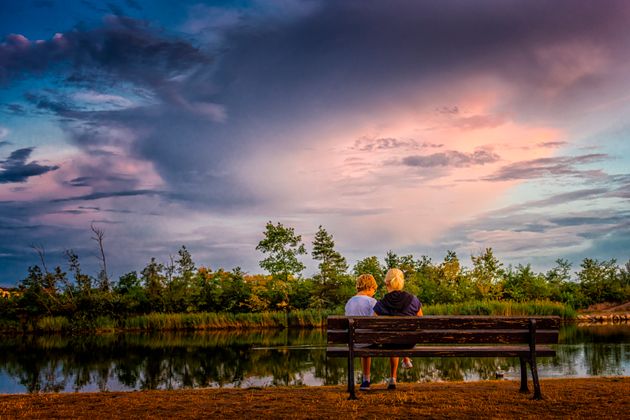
(564, 398)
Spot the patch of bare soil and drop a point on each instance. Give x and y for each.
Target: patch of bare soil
(563, 398)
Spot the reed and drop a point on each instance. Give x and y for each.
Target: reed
(502, 308)
(104, 324)
(222, 321)
(53, 324)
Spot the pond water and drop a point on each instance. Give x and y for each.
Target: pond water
(125, 362)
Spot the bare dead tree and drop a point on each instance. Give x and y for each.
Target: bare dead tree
(99, 234)
(41, 252)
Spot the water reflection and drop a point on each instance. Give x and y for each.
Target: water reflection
(263, 358)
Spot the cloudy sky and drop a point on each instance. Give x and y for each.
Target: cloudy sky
(412, 126)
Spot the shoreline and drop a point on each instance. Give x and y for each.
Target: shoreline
(574, 398)
(581, 320)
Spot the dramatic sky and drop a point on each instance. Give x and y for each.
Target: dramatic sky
(415, 126)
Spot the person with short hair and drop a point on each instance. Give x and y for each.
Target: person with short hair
(397, 303)
(362, 304)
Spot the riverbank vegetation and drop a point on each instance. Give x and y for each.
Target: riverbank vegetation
(179, 294)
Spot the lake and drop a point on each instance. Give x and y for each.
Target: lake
(126, 362)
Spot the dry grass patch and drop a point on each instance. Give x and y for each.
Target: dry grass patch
(566, 398)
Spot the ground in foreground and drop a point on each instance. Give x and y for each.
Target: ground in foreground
(571, 398)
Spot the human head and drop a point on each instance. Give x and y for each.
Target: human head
(394, 279)
(366, 282)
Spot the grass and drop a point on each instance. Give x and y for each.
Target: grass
(308, 318)
(502, 308)
(173, 322)
(53, 324)
(222, 321)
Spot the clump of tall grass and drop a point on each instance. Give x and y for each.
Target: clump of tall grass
(53, 324)
(221, 321)
(502, 308)
(104, 324)
(308, 318)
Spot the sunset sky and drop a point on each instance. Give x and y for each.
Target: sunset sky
(415, 126)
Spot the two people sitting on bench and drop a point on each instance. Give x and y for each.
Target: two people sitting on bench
(395, 303)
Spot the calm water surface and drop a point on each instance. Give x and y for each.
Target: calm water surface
(126, 362)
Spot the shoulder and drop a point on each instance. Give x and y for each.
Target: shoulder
(379, 309)
(415, 302)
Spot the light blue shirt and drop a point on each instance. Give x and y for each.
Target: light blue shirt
(360, 305)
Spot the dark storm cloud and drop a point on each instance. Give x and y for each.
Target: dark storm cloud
(451, 158)
(16, 169)
(123, 49)
(173, 131)
(45, 103)
(99, 195)
(556, 166)
(91, 181)
(354, 50)
(15, 109)
(273, 76)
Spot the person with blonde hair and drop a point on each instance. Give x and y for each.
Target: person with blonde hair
(362, 304)
(397, 303)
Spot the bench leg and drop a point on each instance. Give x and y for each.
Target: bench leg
(537, 393)
(351, 378)
(524, 389)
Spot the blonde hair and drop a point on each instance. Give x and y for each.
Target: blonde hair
(366, 282)
(395, 279)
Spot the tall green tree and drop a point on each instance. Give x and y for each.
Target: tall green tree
(83, 281)
(283, 247)
(487, 274)
(332, 263)
(599, 280)
(332, 269)
(153, 280)
(391, 260)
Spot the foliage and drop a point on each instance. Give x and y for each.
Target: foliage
(502, 308)
(176, 295)
(283, 247)
(330, 286)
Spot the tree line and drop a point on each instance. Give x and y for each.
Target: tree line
(180, 286)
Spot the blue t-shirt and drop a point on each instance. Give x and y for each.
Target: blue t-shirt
(360, 305)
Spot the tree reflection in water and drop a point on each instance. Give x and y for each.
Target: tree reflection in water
(263, 358)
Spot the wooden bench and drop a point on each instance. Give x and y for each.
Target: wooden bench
(445, 336)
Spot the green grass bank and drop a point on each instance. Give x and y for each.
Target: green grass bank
(263, 320)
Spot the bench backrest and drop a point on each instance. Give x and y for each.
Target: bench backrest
(443, 330)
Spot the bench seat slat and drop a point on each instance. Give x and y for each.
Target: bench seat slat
(430, 322)
(444, 336)
(445, 351)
